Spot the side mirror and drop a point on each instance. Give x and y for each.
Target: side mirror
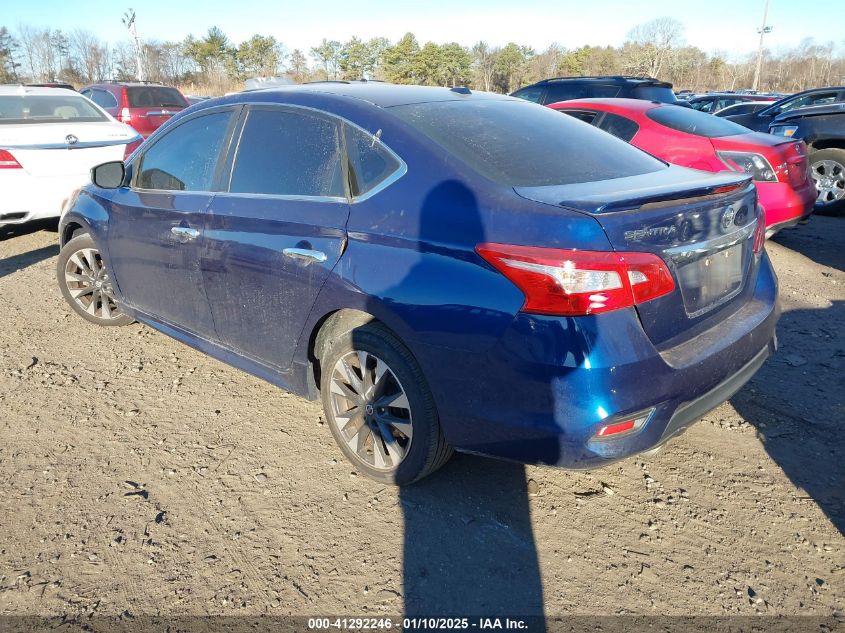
(109, 175)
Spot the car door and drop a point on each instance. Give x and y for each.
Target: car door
(156, 224)
(274, 236)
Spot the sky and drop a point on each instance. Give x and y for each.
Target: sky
(724, 25)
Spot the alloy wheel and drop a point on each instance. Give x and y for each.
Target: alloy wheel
(89, 285)
(829, 177)
(371, 410)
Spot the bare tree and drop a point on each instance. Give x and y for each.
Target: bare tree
(484, 65)
(652, 43)
(91, 53)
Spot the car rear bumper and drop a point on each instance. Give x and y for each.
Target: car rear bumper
(785, 204)
(542, 394)
(26, 197)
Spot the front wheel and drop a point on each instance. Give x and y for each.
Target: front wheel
(379, 407)
(86, 285)
(827, 168)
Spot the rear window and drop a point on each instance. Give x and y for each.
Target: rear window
(48, 109)
(154, 97)
(655, 93)
(694, 122)
(566, 90)
(520, 144)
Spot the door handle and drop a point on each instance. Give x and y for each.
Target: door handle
(305, 255)
(185, 233)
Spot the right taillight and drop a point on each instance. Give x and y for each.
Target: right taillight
(760, 230)
(7, 161)
(125, 115)
(571, 282)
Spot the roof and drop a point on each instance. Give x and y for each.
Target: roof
(808, 111)
(383, 94)
(21, 91)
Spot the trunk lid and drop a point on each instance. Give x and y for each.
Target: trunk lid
(64, 149)
(703, 226)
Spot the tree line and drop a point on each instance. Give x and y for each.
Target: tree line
(214, 63)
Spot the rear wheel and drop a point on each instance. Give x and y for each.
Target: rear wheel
(827, 168)
(379, 407)
(86, 285)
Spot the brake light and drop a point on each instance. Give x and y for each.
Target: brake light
(755, 164)
(131, 147)
(125, 114)
(570, 282)
(624, 426)
(7, 161)
(760, 231)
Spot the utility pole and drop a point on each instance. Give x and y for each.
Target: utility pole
(129, 22)
(762, 31)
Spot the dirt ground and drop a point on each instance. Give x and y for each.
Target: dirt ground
(139, 476)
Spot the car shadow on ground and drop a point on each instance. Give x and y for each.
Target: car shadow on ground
(815, 244)
(469, 545)
(796, 404)
(12, 263)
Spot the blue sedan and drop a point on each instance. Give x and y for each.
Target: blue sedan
(446, 270)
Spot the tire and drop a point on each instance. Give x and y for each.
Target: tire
(390, 431)
(85, 285)
(827, 168)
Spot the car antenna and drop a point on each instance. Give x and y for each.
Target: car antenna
(461, 90)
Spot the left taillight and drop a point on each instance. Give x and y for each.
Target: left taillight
(131, 147)
(566, 282)
(7, 161)
(751, 163)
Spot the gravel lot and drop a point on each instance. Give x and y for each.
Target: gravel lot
(138, 475)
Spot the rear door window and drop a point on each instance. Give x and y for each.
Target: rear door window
(154, 97)
(531, 93)
(184, 159)
(103, 98)
(288, 153)
(620, 126)
(370, 162)
(587, 116)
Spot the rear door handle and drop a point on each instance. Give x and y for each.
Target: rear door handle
(305, 255)
(185, 233)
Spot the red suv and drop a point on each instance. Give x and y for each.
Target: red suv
(144, 106)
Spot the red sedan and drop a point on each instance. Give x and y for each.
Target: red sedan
(689, 138)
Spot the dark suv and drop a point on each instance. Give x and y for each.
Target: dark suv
(566, 88)
(760, 120)
(144, 106)
(822, 128)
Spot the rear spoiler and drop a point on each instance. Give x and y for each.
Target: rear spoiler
(657, 200)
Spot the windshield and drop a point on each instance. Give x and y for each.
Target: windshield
(17, 109)
(695, 122)
(520, 144)
(154, 97)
